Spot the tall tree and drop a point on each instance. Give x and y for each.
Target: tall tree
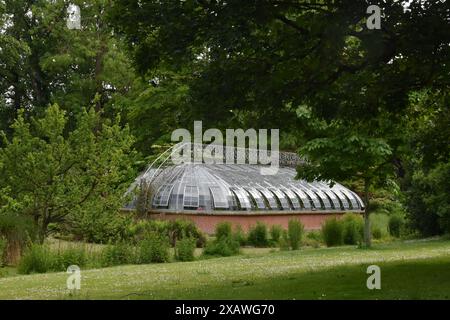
(45, 62)
(53, 175)
(266, 55)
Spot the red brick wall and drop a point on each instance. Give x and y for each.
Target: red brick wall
(207, 223)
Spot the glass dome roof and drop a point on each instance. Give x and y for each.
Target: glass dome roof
(200, 187)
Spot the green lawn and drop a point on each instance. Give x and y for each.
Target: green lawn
(409, 270)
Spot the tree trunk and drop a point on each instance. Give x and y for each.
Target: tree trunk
(367, 233)
(41, 229)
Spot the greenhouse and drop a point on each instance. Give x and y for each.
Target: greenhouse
(239, 193)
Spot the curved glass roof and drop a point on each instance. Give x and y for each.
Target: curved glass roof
(229, 187)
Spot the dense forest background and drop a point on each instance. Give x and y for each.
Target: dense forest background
(82, 111)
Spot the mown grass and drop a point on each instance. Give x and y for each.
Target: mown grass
(409, 270)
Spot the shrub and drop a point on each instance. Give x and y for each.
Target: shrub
(3, 244)
(275, 233)
(154, 248)
(353, 228)
(314, 235)
(313, 239)
(284, 240)
(332, 232)
(395, 225)
(377, 233)
(428, 203)
(97, 225)
(118, 254)
(177, 229)
(68, 257)
(379, 225)
(239, 236)
(295, 232)
(17, 230)
(36, 259)
(184, 249)
(224, 244)
(223, 247)
(257, 235)
(223, 230)
(173, 230)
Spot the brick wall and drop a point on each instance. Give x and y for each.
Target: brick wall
(207, 222)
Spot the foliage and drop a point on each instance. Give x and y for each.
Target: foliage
(313, 239)
(155, 248)
(41, 258)
(36, 259)
(275, 233)
(333, 232)
(143, 198)
(224, 243)
(44, 62)
(246, 69)
(353, 228)
(240, 236)
(379, 225)
(315, 235)
(174, 230)
(64, 176)
(184, 249)
(180, 228)
(396, 223)
(3, 245)
(257, 235)
(223, 230)
(223, 247)
(70, 256)
(428, 202)
(295, 232)
(97, 226)
(118, 254)
(16, 230)
(284, 241)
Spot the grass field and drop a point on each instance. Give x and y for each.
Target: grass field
(409, 270)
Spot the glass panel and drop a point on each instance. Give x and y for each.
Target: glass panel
(163, 195)
(281, 197)
(361, 203)
(339, 200)
(269, 197)
(257, 197)
(322, 196)
(312, 195)
(293, 198)
(342, 198)
(349, 195)
(325, 189)
(190, 197)
(303, 197)
(243, 198)
(219, 197)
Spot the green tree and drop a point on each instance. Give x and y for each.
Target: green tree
(55, 173)
(426, 181)
(43, 62)
(256, 61)
(340, 151)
